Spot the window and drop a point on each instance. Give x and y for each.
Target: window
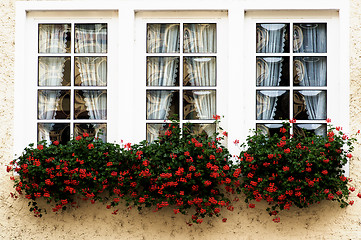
(181, 75)
(293, 78)
(68, 75)
(150, 60)
(72, 80)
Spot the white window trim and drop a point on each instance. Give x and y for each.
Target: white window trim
(237, 94)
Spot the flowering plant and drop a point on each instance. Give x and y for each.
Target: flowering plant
(292, 170)
(180, 170)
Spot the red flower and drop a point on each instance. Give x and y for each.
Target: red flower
(207, 183)
(109, 164)
(225, 133)
(266, 164)
(192, 168)
(330, 196)
(276, 220)
(352, 189)
(40, 147)
(85, 135)
(324, 172)
(236, 141)
(359, 195)
(283, 130)
(8, 168)
(351, 202)
(217, 210)
(199, 221)
(56, 143)
(287, 150)
(90, 146)
(216, 117)
(326, 160)
(293, 120)
(176, 211)
(224, 220)
(328, 120)
(78, 138)
(349, 155)
(252, 205)
(285, 168)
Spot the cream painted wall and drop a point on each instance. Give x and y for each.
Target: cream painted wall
(324, 221)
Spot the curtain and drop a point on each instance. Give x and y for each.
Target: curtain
(309, 38)
(52, 38)
(51, 71)
(201, 71)
(163, 38)
(90, 38)
(200, 38)
(161, 71)
(92, 71)
(269, 71)
(96, 103)
(271, 38)
(311, 71)
(267, 104)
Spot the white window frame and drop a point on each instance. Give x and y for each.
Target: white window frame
(239, 104)
(139, 99)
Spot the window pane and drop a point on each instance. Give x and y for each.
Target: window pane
(54, 71)
(93, 129)
(90, 71)
(91, 38)
(54, 132)
(53, 104)
(309, 71)
(54, 38)
(309, 104)
(199, 128)
(200, 38)
(309, 38)
(269, 129)
(155, 130)
(199, 104)
(162, 38)
(90, 104)
(272, 37)
(199, 71)
(273, 71)
(272, 105)
(318, 129)
(162, 104)
(162, 71)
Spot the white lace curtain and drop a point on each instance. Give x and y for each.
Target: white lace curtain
(92, 71)
(90, 38)
(270, 39)
(53, 38)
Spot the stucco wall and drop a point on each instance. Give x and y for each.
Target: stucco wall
(324, 221)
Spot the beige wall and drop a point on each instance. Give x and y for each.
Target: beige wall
(324, 221)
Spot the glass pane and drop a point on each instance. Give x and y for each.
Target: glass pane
(318, 129)
(162, 38)
(309, 38)
(155, 130)
(199, 104)
(93, 129)
(54, 132)
(90, 71)
(309, 104)
(272, 38)
(162, 104)
(273, 71)
(54, 71)
(90, 104)
(54, 38)
(272, 105)
(53, 104)
(269, 129)
(91, 38)
(162, 71)
(310, 71)
(200, 128)
(199, 71)
(200, 38)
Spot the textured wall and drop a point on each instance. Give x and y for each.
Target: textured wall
(324, 221)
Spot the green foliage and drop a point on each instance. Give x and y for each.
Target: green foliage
(295, 170)
(182, 171)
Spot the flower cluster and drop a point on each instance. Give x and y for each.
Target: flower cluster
(180, 170)
(293, 170)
